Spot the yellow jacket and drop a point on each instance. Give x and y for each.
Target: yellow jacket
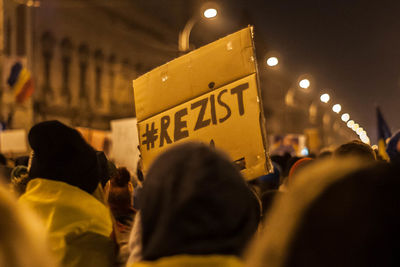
(192, 261)
(78, 224)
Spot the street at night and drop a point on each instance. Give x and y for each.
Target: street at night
(199, 133)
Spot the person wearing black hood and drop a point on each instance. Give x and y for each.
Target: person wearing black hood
(196, 210)
(65, 174)
(339, 212)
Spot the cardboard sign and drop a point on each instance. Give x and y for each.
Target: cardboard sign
(209, 95)
(125, 143)
(194, 74)
(13, 141)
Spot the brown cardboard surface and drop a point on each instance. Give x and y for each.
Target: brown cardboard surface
(189, 76)
(230, 120)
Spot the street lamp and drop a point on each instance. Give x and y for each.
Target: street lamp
(325, 98)
(350, 123)
(184, 35)
(365, 139)
(337, 108)
(305, 83)
(345, 117)
(272, 61)
(210, 13)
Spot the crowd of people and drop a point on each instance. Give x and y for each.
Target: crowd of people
(67, 205)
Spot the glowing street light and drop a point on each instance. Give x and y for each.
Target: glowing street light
(305, 83)
(210, 13)
(272, 61)
(325, 98)
(345, 117)
(363, 134)
(355, 126)
(365, 139)
(337, 108)
(350, 123)
(359, 131)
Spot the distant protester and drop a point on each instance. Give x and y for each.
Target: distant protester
(341, 212)
(3, 160)
(19, 179)
(196, 210)
(64, 174)
(5, 170)
(270, 181)
(299, 165)
(22, 161)
(23, 238)
(356, 148)
(120, 202)
(393, 148)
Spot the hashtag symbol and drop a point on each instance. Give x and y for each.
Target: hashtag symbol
(150, 136)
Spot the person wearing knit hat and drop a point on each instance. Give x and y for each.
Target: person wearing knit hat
(64, 175)
(60, 153)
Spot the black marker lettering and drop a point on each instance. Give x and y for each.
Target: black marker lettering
(200, 123)
(213, 113)
(239, 91)
(165, 121)
(179, 125)
(223, 104)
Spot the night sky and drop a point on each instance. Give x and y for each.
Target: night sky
(350, 47)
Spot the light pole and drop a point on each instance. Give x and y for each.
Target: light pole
(184, 35)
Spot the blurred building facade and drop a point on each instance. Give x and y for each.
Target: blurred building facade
(83, 56)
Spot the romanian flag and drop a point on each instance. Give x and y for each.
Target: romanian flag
(20, 80)
(383, 134)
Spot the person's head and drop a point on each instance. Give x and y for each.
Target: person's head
(22, 161)
(3, 159)
(270, 181)
(340, 213)
(23, 239)
(194, 201)
(393, 147)
(355, 148)
(120, 193)
(60, 153)
(298, 166)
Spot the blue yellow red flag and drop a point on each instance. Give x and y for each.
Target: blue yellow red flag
(20, 80)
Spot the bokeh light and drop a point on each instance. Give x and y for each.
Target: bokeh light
(305, 83)
(210, 13)
(345, 117)
(325, 98)
(337, 108)
(272, 61)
